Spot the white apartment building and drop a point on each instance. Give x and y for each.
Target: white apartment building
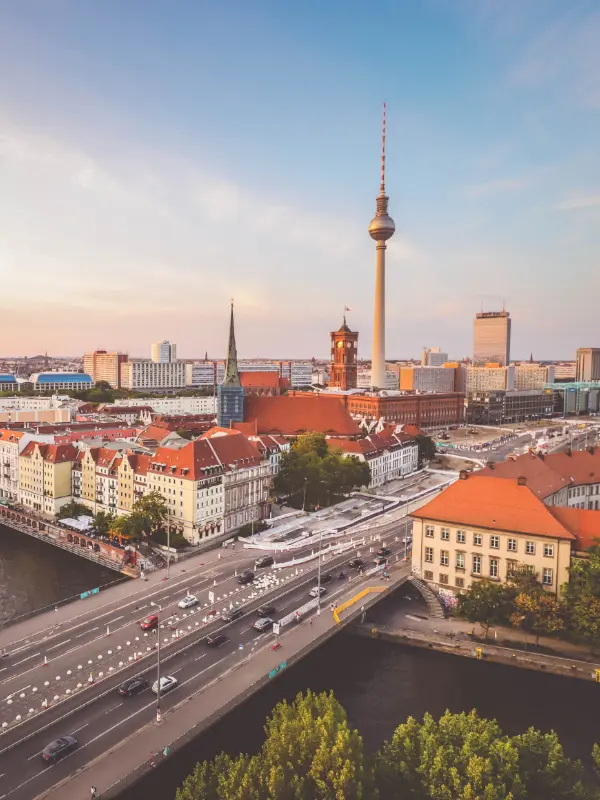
(140, 375)
(202, 373)
(426, 379)
(533, 376)
(12, 444)
(163, 352)
(565, 370)
(38, 403)
(363, 380)
(172, 405)
(433, 357)
(389, 457)
(489, 379)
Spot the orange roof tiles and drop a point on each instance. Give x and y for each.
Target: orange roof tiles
(266, 380)
(291, 415)
(193, 460)
(7, 435)
(53, 453)
(496, 504)
(584, 524)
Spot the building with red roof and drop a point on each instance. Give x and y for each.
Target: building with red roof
(45, 476)
(389, 456)
(300, 412)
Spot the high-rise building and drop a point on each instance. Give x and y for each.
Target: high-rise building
(433, 357)
(103, 366)
(381, 228)
(230, 402)
(344, 350)
(588, 364)
(164, 352)
(491, 338)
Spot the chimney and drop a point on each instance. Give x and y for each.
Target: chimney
(591, 450)
(463, 475)
(521, 480)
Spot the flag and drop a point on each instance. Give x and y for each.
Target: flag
(347, 309)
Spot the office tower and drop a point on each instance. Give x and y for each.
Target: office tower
(103, 366)
(491, 338)
(588, 364)
(164, 352)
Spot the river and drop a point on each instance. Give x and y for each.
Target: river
(35, 575)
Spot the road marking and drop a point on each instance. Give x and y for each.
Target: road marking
(16, 664)
(91, 630)
(141, 608)
(114, 708)
(80, 729)
(175, 671)
(60, 644)
(199, 657)
(112, 622)
(79, 635)
(3, 670)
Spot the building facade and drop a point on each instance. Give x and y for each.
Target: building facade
(61, 381)
(426, 379)
(344, 353)
(154, 376)
(433, 357)
(588, 364)
(163, 352)
(533, 376)
(45, 476)
(104, 366)
(499, 407)
(489, 378)
(491, 338)
(422, 410)
(389, 456)
(211, 373)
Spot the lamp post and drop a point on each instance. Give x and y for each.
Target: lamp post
(304, 498)
(319, 574)
(159, 609)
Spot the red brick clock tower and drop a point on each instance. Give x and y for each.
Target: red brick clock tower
(344, 351)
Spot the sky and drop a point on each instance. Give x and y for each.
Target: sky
(159, 157)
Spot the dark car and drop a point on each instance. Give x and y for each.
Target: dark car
(325, 578)
(384, 551)
(264, 561)
(356, 563)
(132, 686)
(151, 621)
(229, 616)
(246, 577)
(266, 610)
(216, 640)
(59, 748)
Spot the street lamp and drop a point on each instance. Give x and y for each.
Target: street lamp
(304, 498)
(319, 574)
(158, 714)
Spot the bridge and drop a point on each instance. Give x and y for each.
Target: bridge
(64, 667)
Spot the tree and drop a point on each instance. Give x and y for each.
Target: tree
(538, 612)
(487, 603)
(73, 509)
(584, 620)
(103, 522)
(311, 442)
(426, 445)
(544, 770)
(309, 752)
(152, 508)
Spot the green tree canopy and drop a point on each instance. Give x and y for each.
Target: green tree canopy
(487, 603)
(73, 509)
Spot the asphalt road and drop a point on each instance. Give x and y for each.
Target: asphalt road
(98, 716)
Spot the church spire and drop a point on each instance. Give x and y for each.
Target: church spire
(232, 375)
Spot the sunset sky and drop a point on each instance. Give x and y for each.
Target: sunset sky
(160, 156)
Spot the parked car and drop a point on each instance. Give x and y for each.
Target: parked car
(167, 682)
(188, 601)
(132, 686)
(264, 561)
(216, 640)
(150, 622)
(356, 563)
(384, 551)
(59, 748)
(265, 610)
(263, 624)
(318, 590)
(229, 616)
(247, 576)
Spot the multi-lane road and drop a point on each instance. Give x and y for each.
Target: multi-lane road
(54, 667)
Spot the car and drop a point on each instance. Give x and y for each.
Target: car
(150, 622)
(384, 551)
(356, 563)
(264, 561)
(132, 686)
(247, 576)
(380, 560)
(317, 591)
(233, 613)
(263, 624)
(265, 610)
(167, 683)
(188, 601)
(216, 640)
(325, 578)
(59, 748)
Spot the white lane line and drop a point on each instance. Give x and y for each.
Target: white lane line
(114, 708)
(16, 664)
(116, 619)
(199, 657)
(18, 691)
(175, 671)
(141, 608)
(80, 729)
(60, 644)
(79, 635)
(3, 670)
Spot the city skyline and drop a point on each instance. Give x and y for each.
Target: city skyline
(125, 165)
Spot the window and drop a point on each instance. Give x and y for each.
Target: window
(530, 548)
(512, 545)
(429, 531)
(511, 568)
(493, 567)
(495, 542)
(443, 578)
(459, 582)
(445, 534)
(429, 554)
(548, 576)
(461, 537)
(444, 558)
(549, 550)
(477, 538)
(428, 575)
(476, 565)
(460, 561)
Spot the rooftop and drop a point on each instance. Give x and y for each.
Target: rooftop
(290, 415)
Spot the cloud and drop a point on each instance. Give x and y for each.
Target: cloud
(489, 188)
(578, 202)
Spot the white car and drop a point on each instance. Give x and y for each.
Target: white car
(167, 683)
(317, 590)
(188, 601)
